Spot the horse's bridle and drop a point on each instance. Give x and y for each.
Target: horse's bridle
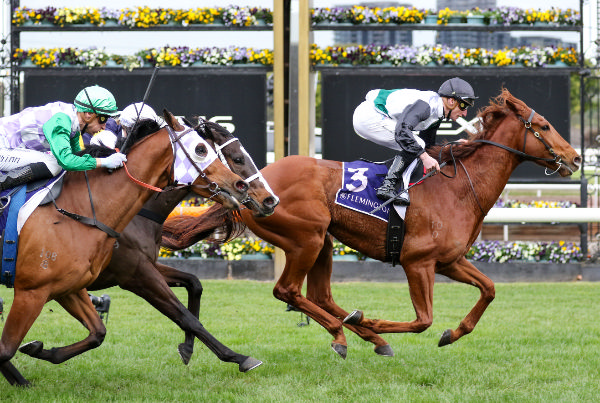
(219, 147)
(175, 137)
(528, 127)
(556, 158)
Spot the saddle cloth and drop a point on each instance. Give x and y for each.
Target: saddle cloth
(361, 180)
(16, 205)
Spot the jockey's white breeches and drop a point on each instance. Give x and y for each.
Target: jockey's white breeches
(370, 124)
(13, 158)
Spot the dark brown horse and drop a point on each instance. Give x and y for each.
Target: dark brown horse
(58, 257)
(134, 264)
(442, 222)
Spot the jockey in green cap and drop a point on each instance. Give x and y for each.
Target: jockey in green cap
(38, 142)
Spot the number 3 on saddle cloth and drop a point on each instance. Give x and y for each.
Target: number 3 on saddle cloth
(16, 205)
(360, 181)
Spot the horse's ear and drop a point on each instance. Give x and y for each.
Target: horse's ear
(172, 120)
(514, 104)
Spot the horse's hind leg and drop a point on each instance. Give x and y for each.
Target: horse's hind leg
(192, 284)
(289, 290)
(318, 290)
(464, 272)
(81, 308)
(421, 277)
(148, 283)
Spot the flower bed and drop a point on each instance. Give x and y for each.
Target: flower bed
(143, 17)
(370, 55)
(441, 55)
(497, 251)
(166, 56)
(358, 15)
(237, 16)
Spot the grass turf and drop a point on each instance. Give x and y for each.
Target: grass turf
(536, 343)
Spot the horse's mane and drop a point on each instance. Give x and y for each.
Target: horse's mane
(141, 130)
(489, 119)
(206, 128)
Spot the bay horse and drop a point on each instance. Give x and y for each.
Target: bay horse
(442, 222)
(48, 269)
(134, 265)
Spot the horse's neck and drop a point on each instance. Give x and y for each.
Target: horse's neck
(163, 203)
(488, 174)
(117, 199)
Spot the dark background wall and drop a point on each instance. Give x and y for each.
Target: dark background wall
(236, 98)
(344, 89)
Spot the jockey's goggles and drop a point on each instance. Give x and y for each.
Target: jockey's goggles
(463, 104)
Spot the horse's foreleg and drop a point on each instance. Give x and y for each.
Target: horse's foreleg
(81, 308)
(318, 290)
(149, 284)
(420, 283)
(464, 272)
(25, 309)
(192, 284)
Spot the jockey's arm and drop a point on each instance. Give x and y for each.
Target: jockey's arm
(58, 133)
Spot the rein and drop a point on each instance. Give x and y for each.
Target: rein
(556, 159)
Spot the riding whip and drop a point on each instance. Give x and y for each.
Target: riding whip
(427, 175)
(148, 89)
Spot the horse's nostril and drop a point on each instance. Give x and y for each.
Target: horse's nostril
(242, 186)
(270, 202)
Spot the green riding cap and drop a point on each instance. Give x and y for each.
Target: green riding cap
(97, 100)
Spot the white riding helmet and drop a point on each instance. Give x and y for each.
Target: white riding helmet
(136, 112)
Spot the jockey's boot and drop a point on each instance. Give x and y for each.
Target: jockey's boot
(22, 175)
(387, 190)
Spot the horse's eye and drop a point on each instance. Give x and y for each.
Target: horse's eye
(238, 160)
(201, 150)
(545, 127)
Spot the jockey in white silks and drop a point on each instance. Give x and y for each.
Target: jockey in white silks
(391, 117)
(38, 142)
(115, 129)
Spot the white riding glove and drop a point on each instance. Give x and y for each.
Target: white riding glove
(113, 161)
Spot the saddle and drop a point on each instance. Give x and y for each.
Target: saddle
(360, 181)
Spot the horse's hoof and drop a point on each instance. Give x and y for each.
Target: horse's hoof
(249, 364)
(354, 318)
(32, 348)
(385, 351)
(340, 349)
(185, 353)
(446, 338)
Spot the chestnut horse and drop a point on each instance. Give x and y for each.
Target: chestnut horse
(48, 269)
(442, 222)
(134, 265)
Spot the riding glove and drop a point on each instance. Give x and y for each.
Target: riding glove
(115, 160)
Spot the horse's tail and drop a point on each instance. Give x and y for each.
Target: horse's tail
(217, 225)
